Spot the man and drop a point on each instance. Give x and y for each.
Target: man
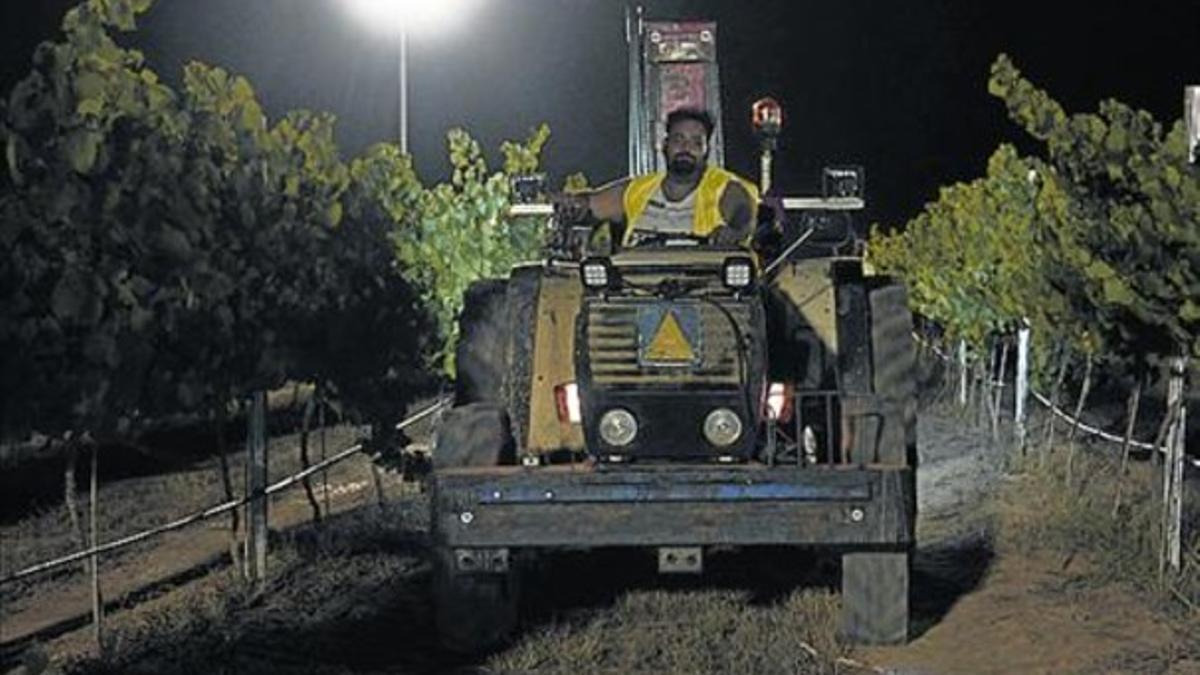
(691, 199)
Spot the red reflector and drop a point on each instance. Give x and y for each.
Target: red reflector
(779, 402)
(566, 397)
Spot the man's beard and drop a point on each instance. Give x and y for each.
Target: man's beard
(683, 165)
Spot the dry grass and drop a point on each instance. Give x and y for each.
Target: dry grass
(334, 597)
(132, 505)
(1041, 513)
(699, 631)
(352, 596)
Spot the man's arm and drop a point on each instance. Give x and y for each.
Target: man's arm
(604, 204)
(737, 210)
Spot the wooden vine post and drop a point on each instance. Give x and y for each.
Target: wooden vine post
(97, 596)
(1131, 416)
(1172, 556)
(256, 486)
(998, 387)
(962, 373)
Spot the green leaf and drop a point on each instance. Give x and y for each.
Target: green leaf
(334, 215)
(82, 146)
(1190, 311)
(1117, 292)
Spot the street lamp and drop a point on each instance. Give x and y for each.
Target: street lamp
(399, 17)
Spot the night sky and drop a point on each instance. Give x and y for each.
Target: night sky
(898, 87)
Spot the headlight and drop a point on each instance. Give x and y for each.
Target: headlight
(738, 272)
(722, 427)
(618, 427)
(596, 273)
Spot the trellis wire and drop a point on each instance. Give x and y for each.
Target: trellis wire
(212, 510)
(1083, 426)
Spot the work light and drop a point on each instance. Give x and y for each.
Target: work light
(596, 273)
(738, 273)
(843, 182)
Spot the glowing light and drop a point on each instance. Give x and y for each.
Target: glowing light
(412, 16)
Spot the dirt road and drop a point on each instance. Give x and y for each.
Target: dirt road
(983, 610)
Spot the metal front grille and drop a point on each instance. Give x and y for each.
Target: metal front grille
(612, 346)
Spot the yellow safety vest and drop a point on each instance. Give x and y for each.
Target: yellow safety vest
(707, 216)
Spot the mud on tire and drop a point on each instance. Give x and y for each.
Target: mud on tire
(522, 299)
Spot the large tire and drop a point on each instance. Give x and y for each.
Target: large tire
(893, 365)
(477, 611)
(481, 356)
(476, 434)
(876, 584)
(473, 612)
(875, 597)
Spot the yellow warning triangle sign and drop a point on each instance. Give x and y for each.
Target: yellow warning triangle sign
(669, 343)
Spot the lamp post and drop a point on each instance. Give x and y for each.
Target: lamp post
(401, 17)
(403, 89)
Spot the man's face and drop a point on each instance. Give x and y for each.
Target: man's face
(686, 147)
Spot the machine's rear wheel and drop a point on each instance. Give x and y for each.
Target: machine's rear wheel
(876, 584)
(875, 597)
(893, 364)
(494, 356)
(895, 376)
(473, 612)
(481, 357)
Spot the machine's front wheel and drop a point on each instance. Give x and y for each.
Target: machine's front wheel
(875, 596)
(476, 434)
(473, 611)
(474, 608)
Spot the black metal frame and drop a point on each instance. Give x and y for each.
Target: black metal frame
(606, 505)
